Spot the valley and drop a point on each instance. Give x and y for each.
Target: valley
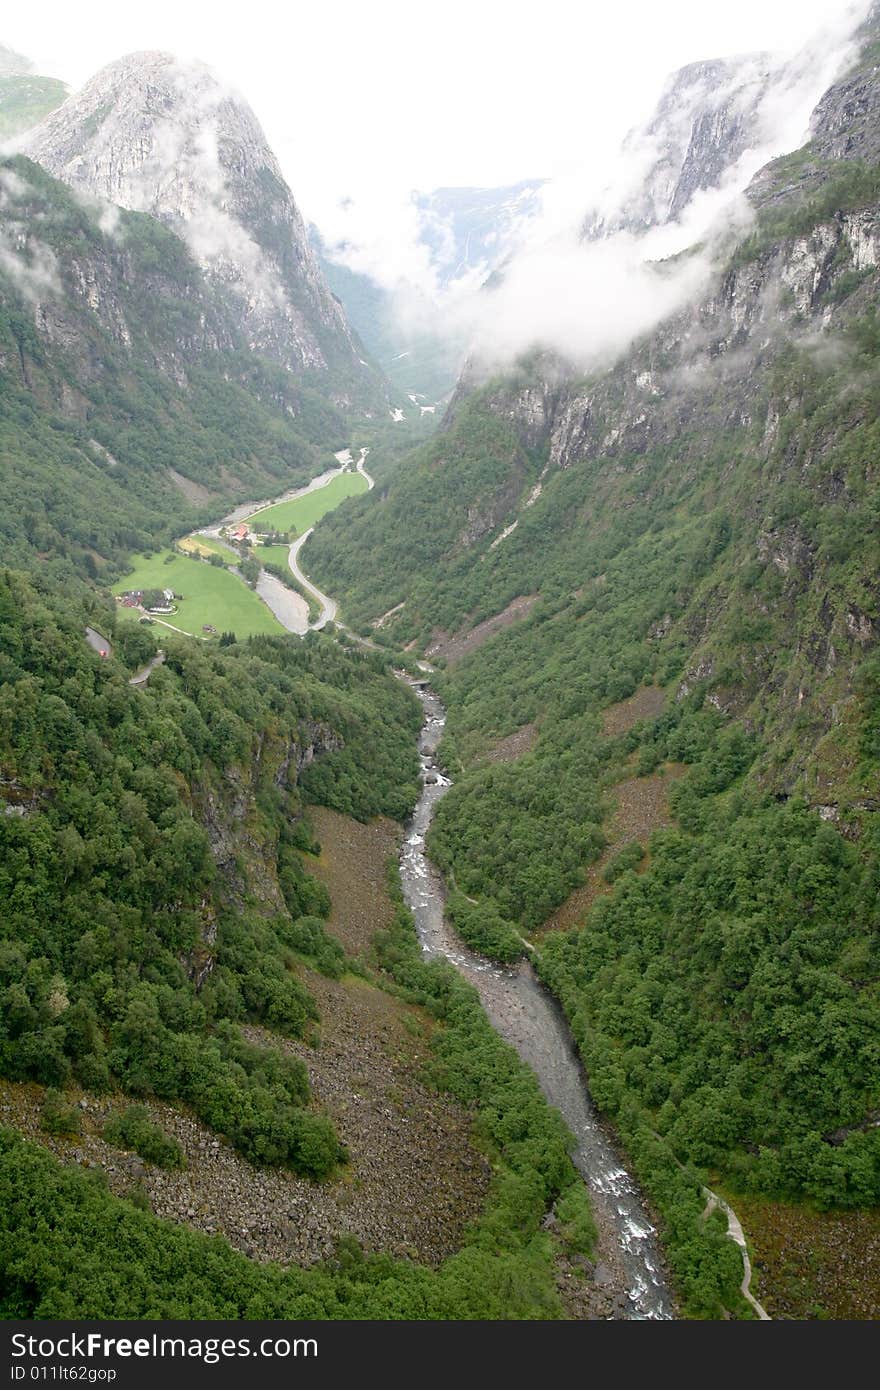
(439, 857)
(214, 599)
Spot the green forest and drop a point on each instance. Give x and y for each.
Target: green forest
(110, 886)
(107, 874)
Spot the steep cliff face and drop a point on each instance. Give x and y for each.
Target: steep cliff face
(155, 135)
(708, 116)
(129, 390)
(753, 405)
(717, 123)
(241, 846)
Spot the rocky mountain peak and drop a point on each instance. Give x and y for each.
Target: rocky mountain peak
(716, 124)
(153, 134)
(707, 116)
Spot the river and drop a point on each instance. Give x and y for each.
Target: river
(527, 1017)
(522, 1011)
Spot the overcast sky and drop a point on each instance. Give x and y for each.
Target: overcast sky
(394, 95)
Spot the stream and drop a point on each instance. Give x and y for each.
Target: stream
(528, 1018)
(520, 1009)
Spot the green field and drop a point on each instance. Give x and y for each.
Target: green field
(210, 595)
(302, 512)
(273, 555)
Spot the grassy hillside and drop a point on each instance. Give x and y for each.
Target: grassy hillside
(299, 514)
(208, 594)
(25, 99)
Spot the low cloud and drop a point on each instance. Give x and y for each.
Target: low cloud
(589, 299)
(24, 259)
(29, 264)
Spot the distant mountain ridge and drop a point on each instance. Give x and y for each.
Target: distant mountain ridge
(716, 123)
(25, 97)
(468, 232)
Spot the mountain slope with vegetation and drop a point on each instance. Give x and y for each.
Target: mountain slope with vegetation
(160, 931)
(141, 922)
(700, 519)
(130, 401)
(157, 902)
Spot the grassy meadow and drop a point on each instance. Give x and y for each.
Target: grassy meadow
(300, 513)
(209, 595)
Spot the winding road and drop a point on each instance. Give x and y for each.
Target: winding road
(98, 642)
(371, 482)
(329, 607)
(289, 607)
(736, 1233)
(143, 675)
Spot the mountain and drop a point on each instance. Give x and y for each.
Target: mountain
(154, 135)
(653, 595)
(132, 399)
(25, 97)
(716, 124)
(649, 593)
(474, 229)
(275, 1123)
(466, 232)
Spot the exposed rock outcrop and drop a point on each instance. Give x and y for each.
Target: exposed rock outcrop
(155, 135)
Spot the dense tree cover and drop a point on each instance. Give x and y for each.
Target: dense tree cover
(70, 1249)
(752, 1038)
(155, 897)
(404, 531)
(522, 833)
(111, 893)
(480, 923)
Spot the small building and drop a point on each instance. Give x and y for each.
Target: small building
(240, 532)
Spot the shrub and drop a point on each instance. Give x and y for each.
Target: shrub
(57, 1117)
(134, 1129)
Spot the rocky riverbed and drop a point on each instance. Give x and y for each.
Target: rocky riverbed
(630, 1267)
